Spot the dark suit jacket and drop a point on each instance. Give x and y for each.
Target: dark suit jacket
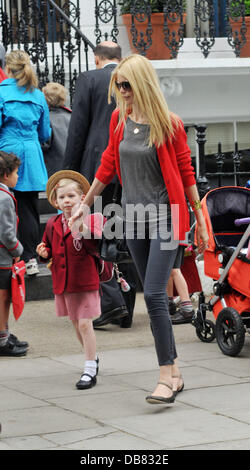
(89, 124)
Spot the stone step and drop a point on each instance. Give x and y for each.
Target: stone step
(43, 220)
(44, 205)
(39, 286)
(45, 211)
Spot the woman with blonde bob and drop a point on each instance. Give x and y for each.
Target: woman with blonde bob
(148, 150)
(24, 125)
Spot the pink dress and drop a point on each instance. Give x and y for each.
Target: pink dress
(78, 305)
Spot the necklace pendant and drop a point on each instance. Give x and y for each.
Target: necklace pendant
(136, 130)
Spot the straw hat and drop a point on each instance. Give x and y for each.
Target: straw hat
(59, 175)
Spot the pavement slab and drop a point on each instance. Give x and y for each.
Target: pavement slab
(177, 426)
(41, 420)
(40, 408)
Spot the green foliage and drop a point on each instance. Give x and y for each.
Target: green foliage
(235, 8)
(156, 5)
(247, 7)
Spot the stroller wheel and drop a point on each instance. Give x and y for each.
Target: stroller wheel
(206, 331)
(230, 331)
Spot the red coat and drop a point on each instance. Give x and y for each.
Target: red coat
(175, 162)
(2, 75)
(72, 270)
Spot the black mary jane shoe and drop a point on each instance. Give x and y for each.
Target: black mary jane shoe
(97, 365)
(84, 384)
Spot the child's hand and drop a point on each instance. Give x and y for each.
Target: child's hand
(42, 250)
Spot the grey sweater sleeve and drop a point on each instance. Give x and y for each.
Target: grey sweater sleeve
(8, 222)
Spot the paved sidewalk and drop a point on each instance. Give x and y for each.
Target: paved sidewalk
(40, 407)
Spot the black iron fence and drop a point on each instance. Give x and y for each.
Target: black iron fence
(219, 169)
(49, 30)
(211, 19)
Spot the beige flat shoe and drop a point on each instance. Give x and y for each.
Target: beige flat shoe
(158, 400)
(181, 387)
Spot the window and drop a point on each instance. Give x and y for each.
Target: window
(28, 21)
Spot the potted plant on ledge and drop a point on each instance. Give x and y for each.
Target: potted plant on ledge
(155, 28)
(240, 31)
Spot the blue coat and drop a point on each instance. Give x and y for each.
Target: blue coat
(24, 123)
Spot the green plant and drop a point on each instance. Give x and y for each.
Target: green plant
(247, 7)
(156, 5)
(236, 10)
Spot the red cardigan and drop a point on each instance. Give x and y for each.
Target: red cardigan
(175, 162)
(72, 270)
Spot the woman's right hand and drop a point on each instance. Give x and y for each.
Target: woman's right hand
(76, 220)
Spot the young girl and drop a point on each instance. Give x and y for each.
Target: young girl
(74, 273)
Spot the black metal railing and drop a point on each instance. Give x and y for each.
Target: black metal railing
(232, 168)
(49, 30)
(219, 169)
(206, 14)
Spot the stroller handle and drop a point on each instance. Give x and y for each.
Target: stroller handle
(242, 221)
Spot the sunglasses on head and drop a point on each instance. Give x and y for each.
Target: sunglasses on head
(125, 85)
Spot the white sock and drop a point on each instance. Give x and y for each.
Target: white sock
(89, 368)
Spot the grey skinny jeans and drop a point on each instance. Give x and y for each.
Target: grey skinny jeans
(154, 266)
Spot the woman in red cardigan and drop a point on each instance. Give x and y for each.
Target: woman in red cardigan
(148, 151)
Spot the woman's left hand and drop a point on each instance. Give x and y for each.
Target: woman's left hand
(202, 237)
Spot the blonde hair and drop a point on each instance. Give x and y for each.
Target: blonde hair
(148, 97)
(62, 184)
(19, 64)
(55, 94)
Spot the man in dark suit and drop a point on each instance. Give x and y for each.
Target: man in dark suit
(87, 139)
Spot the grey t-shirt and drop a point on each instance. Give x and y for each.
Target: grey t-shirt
(142, 180)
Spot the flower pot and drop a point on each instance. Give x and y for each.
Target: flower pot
(158, 50)
(236, 25)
